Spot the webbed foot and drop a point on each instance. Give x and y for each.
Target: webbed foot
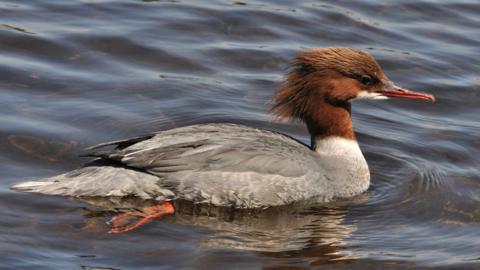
(128, 221)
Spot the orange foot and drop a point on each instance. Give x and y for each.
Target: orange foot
(129, 221)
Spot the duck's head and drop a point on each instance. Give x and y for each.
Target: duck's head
(334, 76)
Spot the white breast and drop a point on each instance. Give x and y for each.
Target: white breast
(344, 165)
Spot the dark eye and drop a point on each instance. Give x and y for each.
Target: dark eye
(366, 80)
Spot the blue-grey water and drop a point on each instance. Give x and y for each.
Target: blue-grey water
(76, 73)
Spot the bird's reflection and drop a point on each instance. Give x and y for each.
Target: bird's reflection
(305, 228)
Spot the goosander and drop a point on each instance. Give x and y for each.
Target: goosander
(244, 167)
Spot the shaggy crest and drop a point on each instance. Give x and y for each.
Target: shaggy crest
(310, 68)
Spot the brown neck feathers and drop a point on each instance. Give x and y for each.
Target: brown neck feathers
(330, 121)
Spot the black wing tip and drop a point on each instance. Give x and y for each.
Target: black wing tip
(121, 143)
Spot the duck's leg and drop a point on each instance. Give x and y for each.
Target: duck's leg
(128, 221)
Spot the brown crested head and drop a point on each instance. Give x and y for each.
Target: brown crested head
(333, 77)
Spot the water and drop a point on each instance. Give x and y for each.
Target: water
(75, 73)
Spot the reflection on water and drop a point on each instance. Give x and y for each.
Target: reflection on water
(278, 229)
(78, 73)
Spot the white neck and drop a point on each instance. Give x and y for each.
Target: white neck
(337, 146)
(344, 163)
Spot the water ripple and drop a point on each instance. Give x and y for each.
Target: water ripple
(82, 72)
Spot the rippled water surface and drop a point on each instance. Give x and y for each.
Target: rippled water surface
(75, 73)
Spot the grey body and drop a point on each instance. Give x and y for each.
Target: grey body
(221, 164)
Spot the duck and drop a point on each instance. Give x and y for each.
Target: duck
(237, 166)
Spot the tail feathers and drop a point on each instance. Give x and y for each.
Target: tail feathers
(49, 186)
(32, 186)
(104, 181)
